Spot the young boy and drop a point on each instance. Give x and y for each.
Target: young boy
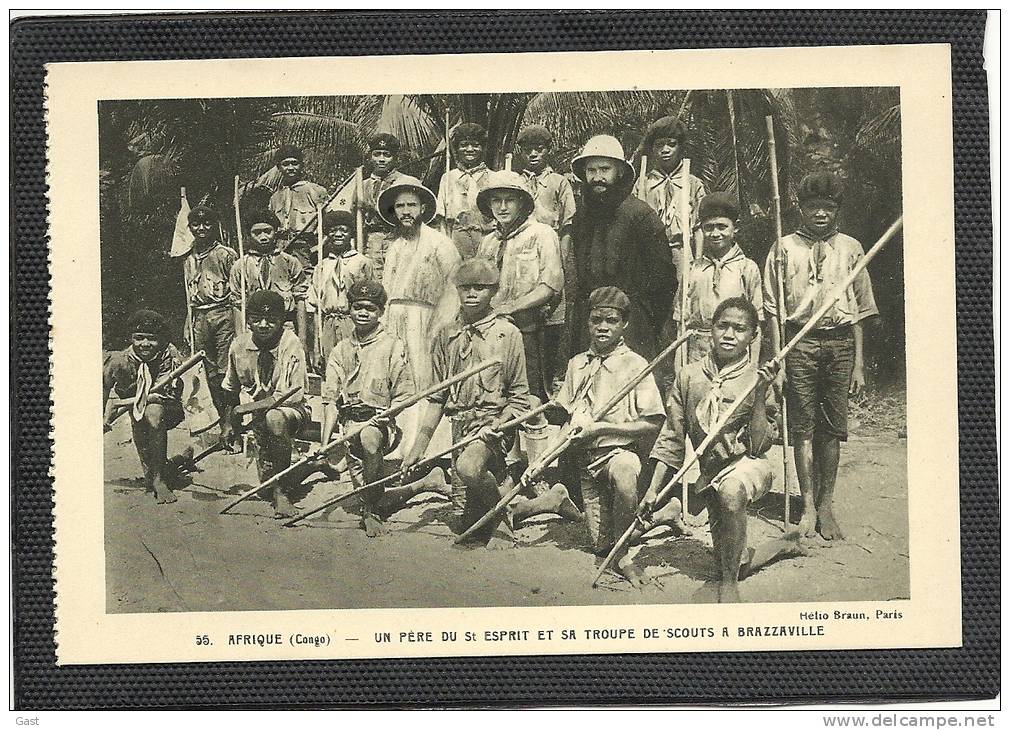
(734, 470)
(827, 365)
(456, 204)
(366, 373)
(720, 273)
(342, 266)
(554, 206)
(267, 268)
(483, 402)
(296, 203)
(607, 451)
(130, 373)
(384, 155)
(206, 271)
(263, 362)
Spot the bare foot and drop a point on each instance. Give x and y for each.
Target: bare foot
(437, 482)
(672, 515)
(729, 592)
(827, 526)
(631, 572)
(163, 495)
(566, 507)
(502, 538)
(372, 525)
(282, 506)
(808, 523)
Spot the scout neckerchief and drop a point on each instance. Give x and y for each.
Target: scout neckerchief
(263, 267)
(733, 254)
(594, 361)
(504, 235)
(469, 331)
(707, 410)
(819, 244)
(463, 184)
(144, 382)
(357, 345)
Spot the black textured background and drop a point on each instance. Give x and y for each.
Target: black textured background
(675, 678)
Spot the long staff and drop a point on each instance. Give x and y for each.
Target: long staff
(511, 423)
(684, 210)
(551, 453)
(716, 431)
(327, 204)
(359, 209)
(643, 183)
(780, 309)
(185, 283)
(390, 412)
(448, 154)
(320, 287)
(241, 247)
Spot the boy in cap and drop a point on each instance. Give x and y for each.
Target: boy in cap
(609, 452)
(827, 365)
(383, 154)
(417, 274)
(130, 373)
(342, 266)
(554, 205)
(206, 271)
(721, 272)
(267, 268)
(734, 469)
(456, 205)
(483, 402)
(265, 361)
(296, 204)
(664, 144)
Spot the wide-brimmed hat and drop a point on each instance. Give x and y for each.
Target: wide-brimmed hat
(388, 196)
(602, 145)
(504, 180)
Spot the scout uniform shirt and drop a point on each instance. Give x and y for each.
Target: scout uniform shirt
(333, 277)
(373, 371)
(297, 205)
(500, 391)
(554, 206)
(701, 394)
(662, 193)
(456, 203)
(262, 373)
(278, 271)
(207, 276)
(814, 269)
(123, 371)
(592, 379)
(526, 257)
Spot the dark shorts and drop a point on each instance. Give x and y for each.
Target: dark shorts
(173, 413)
(390, 439)
(818, 371)
(213, 331)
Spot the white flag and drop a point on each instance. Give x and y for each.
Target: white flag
(182, 239)
(344, 198)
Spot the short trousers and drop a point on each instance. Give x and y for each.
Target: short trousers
(818, 371)
(173, 411)
(754, 474)
(596, 476)
(213, 332)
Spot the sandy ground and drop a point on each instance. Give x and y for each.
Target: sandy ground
(187, 557)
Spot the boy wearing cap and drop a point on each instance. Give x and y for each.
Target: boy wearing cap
(366, 373)
(554, 206)
(206, 271)
(383, 154)
(296, 204)
(720, 273)
(827, 365)
(734, 469)
(607, 451)
(130, 373)
(264, 361)
(342, 266)
(664, 144)
(417, 274)
(456, 205)
(266, 268)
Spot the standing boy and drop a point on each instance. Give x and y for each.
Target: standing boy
(268, 269)
(609, 452)
(366, 373)
(296, 203)
(384, 155)
(456, 206)
(827, 365)
(342, 266)
(206, 271)
(263, 362)
(554, 205)
(734, 470)
(720, 273)
(130, 373)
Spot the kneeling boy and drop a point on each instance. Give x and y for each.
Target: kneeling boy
(605, 450)
(130, 373)
(734, 470)
(265, 361)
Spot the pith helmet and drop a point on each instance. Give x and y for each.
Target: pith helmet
(388, 197)
(504, 180)
(602, 145)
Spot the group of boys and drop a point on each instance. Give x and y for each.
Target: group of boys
(488, 269)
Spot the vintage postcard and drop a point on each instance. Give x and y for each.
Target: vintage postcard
(563, 353)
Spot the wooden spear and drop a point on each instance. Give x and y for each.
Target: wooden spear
(241, 248)
(684, 209)
(837, 294)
